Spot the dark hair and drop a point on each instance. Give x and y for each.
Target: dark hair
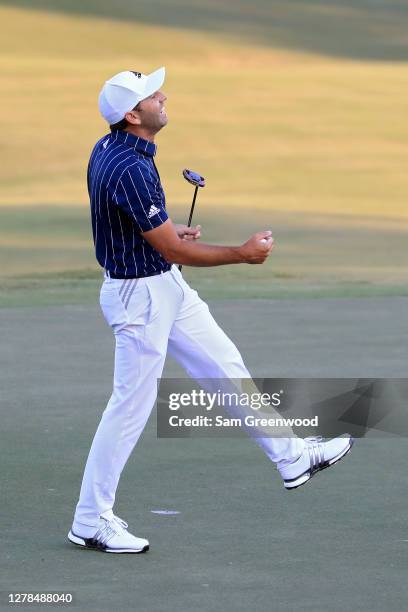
(120, 125)
(123, 123)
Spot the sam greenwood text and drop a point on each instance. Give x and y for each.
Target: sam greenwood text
(248, 421)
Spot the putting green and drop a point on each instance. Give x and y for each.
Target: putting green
(240, 541)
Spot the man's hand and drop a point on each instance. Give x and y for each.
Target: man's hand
(257, 248)
(188, 233)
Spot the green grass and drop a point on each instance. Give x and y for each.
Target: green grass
(50, 259)
(282, 106)
(238, 547)
(269, 127)
(329, 27)
(76, 289)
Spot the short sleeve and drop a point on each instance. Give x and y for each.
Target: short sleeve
(141, 198)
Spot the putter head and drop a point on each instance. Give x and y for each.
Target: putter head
(194, 178)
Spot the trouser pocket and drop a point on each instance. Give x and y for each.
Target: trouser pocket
(126, 303)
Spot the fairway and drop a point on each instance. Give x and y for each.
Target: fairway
(240, 541)
(302, 134)
(271, 127)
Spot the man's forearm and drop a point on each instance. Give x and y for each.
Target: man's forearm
(164, 239)
(201, 254)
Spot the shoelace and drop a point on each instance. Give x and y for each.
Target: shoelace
(316, 451)
(112, 527)
(120, 521)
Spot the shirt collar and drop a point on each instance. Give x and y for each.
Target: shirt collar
(135, 142)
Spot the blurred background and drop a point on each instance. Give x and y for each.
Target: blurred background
(294, 111)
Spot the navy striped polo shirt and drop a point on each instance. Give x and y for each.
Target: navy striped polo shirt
(126, 199)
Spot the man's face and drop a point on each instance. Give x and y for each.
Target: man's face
(152, 112)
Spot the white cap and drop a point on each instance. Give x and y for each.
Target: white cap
(125, 90)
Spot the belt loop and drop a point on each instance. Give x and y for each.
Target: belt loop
(107, 273)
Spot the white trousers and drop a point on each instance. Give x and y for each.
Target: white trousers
(150, 316)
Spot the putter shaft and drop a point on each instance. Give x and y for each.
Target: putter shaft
(191, 215)
(192, 206)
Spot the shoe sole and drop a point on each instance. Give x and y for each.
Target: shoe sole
(290, 485)
(74, 539)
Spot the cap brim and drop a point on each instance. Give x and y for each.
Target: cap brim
(154, 81)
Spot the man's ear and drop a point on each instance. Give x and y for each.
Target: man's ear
(133, 117)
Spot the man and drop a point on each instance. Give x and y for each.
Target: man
(152, 310)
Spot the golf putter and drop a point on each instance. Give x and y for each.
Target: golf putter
(198, 181)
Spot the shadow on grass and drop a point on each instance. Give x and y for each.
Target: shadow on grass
(354, 29)
(50, 256)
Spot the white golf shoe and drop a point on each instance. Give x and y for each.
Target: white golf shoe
(111, 537)
(317, 455)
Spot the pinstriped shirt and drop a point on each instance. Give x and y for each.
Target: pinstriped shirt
(126, 199)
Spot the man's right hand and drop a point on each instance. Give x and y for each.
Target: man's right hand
(257, 248)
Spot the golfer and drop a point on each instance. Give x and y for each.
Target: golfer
(152, 310)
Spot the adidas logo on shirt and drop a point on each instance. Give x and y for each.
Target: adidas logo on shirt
(153, 211)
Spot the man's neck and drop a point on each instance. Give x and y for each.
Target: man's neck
(140, 132)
